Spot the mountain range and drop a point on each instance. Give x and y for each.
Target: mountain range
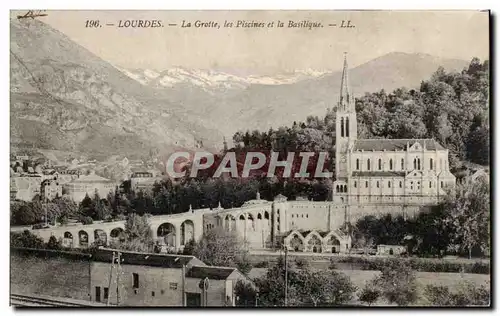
(63, 97)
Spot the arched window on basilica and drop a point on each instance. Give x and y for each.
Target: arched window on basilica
(431, 163)
(368, 165)
(390, 164)
(402, 164)
(357, 164)
(347, 127)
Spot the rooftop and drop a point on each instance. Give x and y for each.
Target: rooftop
(215, 273)
(106, 255)
(93, 178)
(378, 173)
(394, 144)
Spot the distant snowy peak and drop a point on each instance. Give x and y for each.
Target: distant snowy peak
(212, 80)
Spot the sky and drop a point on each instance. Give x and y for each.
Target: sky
(447, 34)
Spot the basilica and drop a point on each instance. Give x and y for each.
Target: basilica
(385, 171)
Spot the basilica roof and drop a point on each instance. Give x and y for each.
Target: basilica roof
(378, 173)
(394, 144)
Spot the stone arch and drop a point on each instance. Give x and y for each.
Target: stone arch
(68, 239)
(251, 221)
(227, 222)
(333, 243)
(187, 231)
(100, 237)
(83, 238)
(117, 233)
(266, 215)
(259, 216)
(232, 226)
(168, 232)
(314, 241)
(296, 242)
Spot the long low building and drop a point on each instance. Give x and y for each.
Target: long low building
(89, 185)
(141, 279)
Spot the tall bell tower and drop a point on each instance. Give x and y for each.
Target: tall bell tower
(345, 126)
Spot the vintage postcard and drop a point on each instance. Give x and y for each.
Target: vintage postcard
(249, 158)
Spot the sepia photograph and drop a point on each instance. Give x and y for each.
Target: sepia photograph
(250, 159)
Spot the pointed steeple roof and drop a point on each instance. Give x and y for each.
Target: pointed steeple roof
(345, 95)
(225, 143)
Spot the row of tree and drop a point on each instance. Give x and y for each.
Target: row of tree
(167, 197)
(459, 225)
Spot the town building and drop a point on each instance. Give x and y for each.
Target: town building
(391, 250)
(141, 279)
(51, 188)
(89, 185)
(143, 180)
(25, 187)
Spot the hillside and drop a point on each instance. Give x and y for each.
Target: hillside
(64, 97)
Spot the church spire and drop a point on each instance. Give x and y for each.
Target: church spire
(225, 144)
(344, 86)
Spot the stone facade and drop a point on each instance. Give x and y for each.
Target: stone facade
(385, 171)
(89, 185)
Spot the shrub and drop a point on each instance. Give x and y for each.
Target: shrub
(466, 294)
(87, 220)
(301, 263)
(369, 294)
(397, 283)
(262, 264)
(420, 264)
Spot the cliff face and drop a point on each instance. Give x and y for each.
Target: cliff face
(64, 97)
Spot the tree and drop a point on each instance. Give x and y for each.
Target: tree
(305, 287)
(189, 248)
(245, 294)
(138, 234)
(102, 210)
(218, 247)
(369, 294)
(23, 213)
(26, 239)
(54, 244)
(397, 283)
(470, 215)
